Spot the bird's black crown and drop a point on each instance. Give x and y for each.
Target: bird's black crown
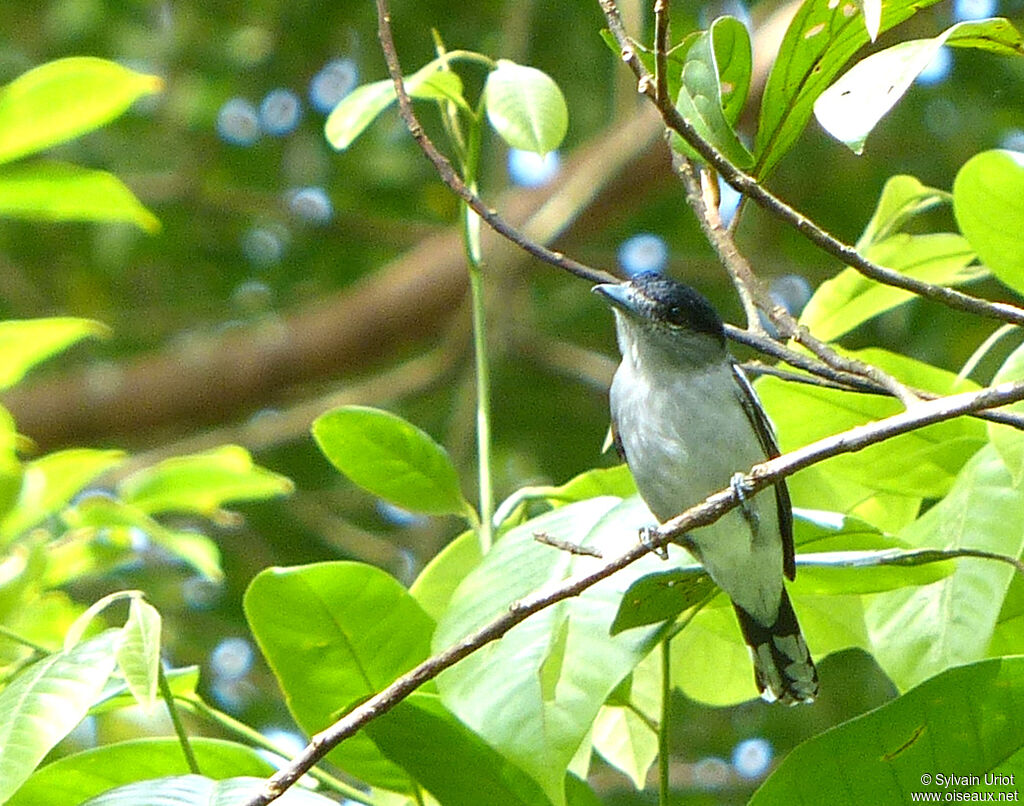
(674, 303)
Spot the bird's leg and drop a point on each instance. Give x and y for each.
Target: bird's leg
(647, 539)
(738, 484)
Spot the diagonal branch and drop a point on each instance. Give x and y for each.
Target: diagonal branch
(709, 510)
(748, 185)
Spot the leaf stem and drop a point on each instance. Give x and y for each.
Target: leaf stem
(666, 709)
(179, 727)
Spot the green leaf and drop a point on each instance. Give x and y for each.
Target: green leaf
(83, 622)
(182, 682)
(534, 694)
(921, 464)
(196, 790)
(821, 38)
(59, 191)
(41, 705)
(661, 596)
(1008, 441)
(918, 633)
(364, 104)
(27, 342)
(63, 99)
(966, 721)
(360, 630)
(437, 582)
(72, 779)
(138, 655)
(472, 773)
(202, 483)
(390, 458)
(851, 108)
(525, 107)
(702, 98)
(51, 481)
(849, 299)
(623, 739)
(988, 201)
(901, 199)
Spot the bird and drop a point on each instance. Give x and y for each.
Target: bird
(688, 423)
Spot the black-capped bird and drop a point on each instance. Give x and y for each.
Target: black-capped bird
(686, 420)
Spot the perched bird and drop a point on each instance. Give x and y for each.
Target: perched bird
(686, 420)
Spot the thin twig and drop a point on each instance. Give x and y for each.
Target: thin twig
(565, 545)
(452, 179)
(750, 289)
(748, 185)
(661, 16)
(709, 510)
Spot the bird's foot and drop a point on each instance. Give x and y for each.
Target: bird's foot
(742, 490)
(647, 535)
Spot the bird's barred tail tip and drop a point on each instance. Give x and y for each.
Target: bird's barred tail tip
(783, 669)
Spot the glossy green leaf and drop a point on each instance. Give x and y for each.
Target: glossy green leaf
(964, 722)
(58, 191)
(202, 483)
(901, 199)
(918, 633)
(116, 521)
(63, 99)
(625, 740)
(197, 790)
(851, 108)
(988, 201)
(27, 342)
(922, 464)
(437, 582)
(454, 764)
(44, 701)
(820, 40)
(74, 778)
(1009, 442)
(51, 481)
(138, 655)
(390, 458)
(360, 630)
(534, 694)
(526, 107)
(716, 74)
(362, 106)
(849, 299)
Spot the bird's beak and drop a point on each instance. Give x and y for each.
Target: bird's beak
(619, 295)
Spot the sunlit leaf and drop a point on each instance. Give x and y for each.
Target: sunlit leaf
(716, 73)
(27, 342)
(526, 107)
(901, 199)
(44, 190)
(1008, 441)
(918, 633)
(965, 722)
(988, 201)
(851, 108)
(391, 458)
(363, 105)
(138, 655)
(196, 790)
(41, 705)
(63, 99)
(849, 299)
(820, 40)
(73, 778)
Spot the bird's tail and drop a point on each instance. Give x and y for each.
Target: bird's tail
(783, 668)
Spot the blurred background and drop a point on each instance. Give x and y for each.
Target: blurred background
(288, 278)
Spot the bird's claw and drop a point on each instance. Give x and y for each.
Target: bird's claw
(740, 487)
(647, 539)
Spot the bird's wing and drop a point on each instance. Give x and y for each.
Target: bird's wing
(766, 436)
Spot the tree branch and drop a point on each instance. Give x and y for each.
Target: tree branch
(702, 514)
(748, 185)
